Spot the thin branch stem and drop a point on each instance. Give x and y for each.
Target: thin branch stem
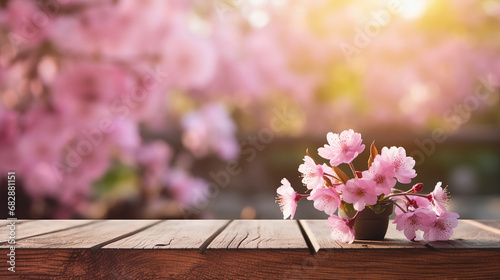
(334, 177)
(353, 170)
(398, 206)
(355, 215)
(405, 194)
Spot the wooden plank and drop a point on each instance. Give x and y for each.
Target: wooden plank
(278, 260)
(37, 227)
(489, 225)
(6, 222)
(260, 234)
(171, 234)
(263, 264)
(319, 234)
(468, 235)
(88, 236)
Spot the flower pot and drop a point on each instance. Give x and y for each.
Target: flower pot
(370, 225)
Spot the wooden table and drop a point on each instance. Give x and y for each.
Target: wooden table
(222, 249)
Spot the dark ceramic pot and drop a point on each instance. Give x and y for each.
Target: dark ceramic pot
(368, 224)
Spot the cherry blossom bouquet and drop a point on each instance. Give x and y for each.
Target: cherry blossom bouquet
(330, 188)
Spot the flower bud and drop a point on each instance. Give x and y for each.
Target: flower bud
(412, 203)
(300, 196)
(417, 187)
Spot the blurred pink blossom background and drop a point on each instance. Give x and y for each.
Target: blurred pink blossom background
(125, 108)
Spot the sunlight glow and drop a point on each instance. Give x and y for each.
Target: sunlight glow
(412, 9)
(258, 18)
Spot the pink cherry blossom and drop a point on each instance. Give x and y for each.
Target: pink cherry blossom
(287, 198)
(42, 181)
(9, 135)
(40, 145)
(111, 30)
(418, 202)
(359, 192)
(439, 198)
(189, 191)
(442, 227)
(45, 133)
(190, 60)
(403, 165)
(382, 173)
(74, 195)
(210, 129)
(325, 199)
(90, 166)
(153, 159)
(312, 173)
(86, 92)
(77, 178)
(411, 202)
(124, 135)
(402, 204)
(86, 61)
(342, 148)
(411, 221)
(97, 25)
(29, 24)
(342, 229)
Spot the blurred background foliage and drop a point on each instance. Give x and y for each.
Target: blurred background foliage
(197, 109)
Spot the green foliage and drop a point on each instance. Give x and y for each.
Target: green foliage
(120, 181)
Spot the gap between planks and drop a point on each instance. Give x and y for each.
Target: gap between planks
(212, 237)
(94, 249)
(306, 232)
(260, 234)
(313, 248)
(30, 222)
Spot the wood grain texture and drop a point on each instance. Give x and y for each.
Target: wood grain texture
(319, 234)
(266, 249)
(37, 227)
(87, 236)
(260, 234)
(489, 225)
(468, 235)
(172, 234)
(6, 222)
(251, 264)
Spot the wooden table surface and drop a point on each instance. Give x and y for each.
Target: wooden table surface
(242, 249)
